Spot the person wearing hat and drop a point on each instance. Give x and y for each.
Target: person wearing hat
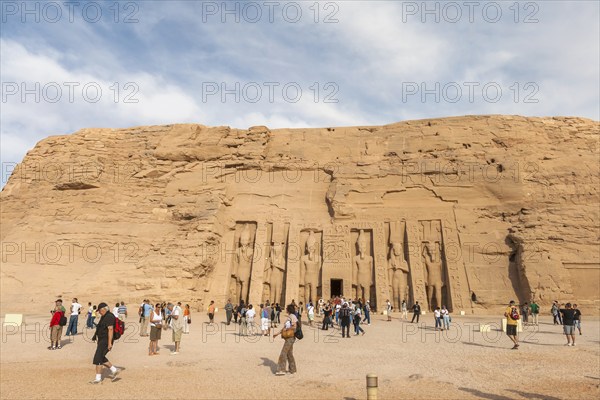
(55, 327)
(104, 339)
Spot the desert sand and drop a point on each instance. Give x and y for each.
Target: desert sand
(410, 360)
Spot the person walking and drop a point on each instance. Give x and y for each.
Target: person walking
(58, 313)
(445, 318)
(156, 323)
(277, 314)
(512, 316)
(187, 319)
(104, 343)
(211, 312)
(326, 317)
(310, 312)
(388, 307)
(288, 334)
(236, 313)
(367, 309)
(404, 309)
(437, 315)
(556, 313)
(525, 313)
(145, 315)
(73, 318)
(568, 320)
(416, 308)
(345, 320)
(176, 326)
(356, 321)
(577, 319)
(228, 311)
(535, 310)
(242, 310)
(264, 319)
(89, 323)
(338, 307)
(122, 311)
(250, 314)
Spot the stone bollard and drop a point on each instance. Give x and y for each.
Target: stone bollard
(371, 387)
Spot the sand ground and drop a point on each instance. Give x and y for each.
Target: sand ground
(411, 361)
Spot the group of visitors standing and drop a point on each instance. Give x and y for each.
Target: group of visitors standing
(163, 316)
(569, 316)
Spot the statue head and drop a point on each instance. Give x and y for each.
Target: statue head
(397, 249)
(362, 243)
(311, 246)
(245, 236)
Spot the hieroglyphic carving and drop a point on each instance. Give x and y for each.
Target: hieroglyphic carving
(337, 259)
(457, 278)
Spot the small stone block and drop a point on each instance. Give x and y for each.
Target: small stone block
(13, 319)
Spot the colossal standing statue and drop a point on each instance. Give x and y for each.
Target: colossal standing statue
(433, 266)
(311, 264)
(276, 270)
(398, 274)
(243, 263)
(363, 268)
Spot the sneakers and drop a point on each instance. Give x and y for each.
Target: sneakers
(59, 347)
(174, 353)
(51, 348)
(96, 382)
(113, 376)
(280, 373)
(573, 344)
(568, 344)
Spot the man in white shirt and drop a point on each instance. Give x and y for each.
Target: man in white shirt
(73, 319)
(250, 314)
(176, 325)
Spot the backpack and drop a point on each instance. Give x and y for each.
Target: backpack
(118, 329)
(298, 333)
(62, 321)
(514, 314)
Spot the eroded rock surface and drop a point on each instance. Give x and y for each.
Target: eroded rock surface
(501, 207)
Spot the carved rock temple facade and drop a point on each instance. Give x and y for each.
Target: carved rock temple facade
(468, 212)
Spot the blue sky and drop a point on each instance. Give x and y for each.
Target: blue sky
(341, 63)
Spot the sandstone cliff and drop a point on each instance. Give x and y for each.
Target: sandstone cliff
(156, 211)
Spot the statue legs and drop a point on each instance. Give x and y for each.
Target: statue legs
(244, 291)
(396, 293)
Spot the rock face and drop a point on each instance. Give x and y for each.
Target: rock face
(469, 212)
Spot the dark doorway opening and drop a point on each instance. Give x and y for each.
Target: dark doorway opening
(337, 287)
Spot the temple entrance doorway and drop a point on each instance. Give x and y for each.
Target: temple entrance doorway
(337, 287)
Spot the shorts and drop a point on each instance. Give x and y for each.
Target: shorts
(511, 330)
(577, 324)
(155, 333)
(101, 352)
(569, 329)
(264, 324)
(311, 317)
(211, 316)
(177, 335)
